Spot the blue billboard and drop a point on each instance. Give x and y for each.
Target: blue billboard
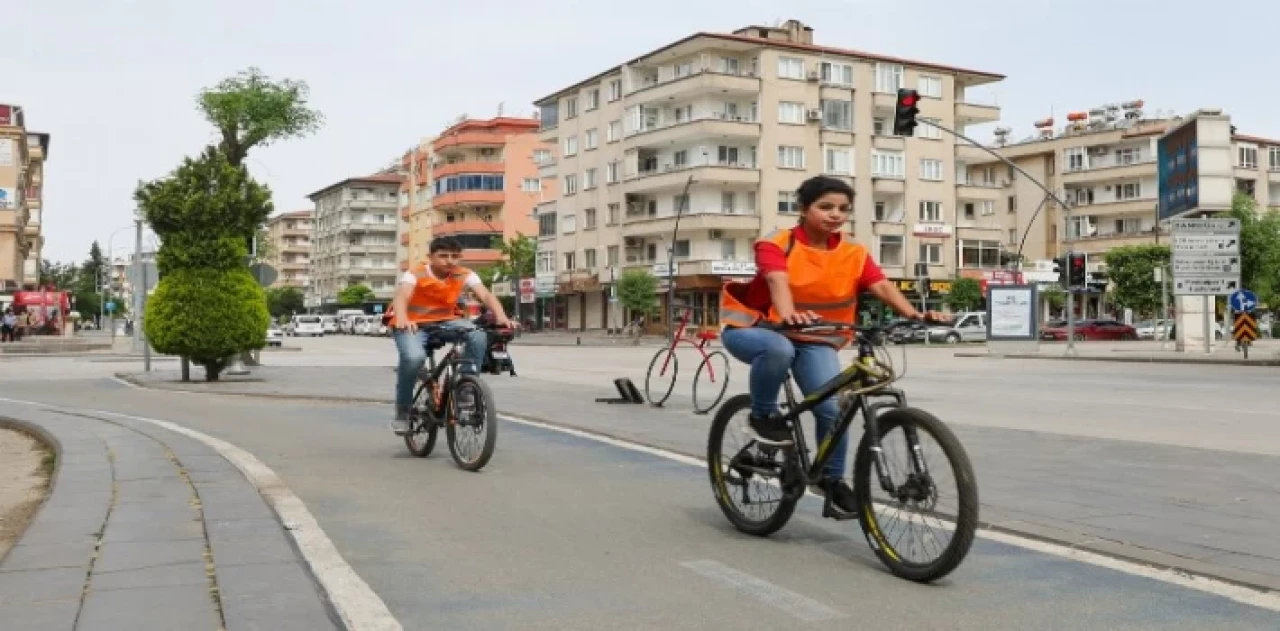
(1178, 171)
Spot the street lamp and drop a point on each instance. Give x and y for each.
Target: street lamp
(671, 254)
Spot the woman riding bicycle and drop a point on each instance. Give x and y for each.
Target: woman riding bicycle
(803, 274)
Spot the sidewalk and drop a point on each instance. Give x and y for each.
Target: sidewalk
(1261, 353)
(148, 529)
(1162, 505)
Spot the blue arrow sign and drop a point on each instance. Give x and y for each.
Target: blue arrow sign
(1243, 300)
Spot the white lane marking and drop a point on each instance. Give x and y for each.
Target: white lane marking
(782, 598)
(356, 603)
(1247, 595)
(1256, 597)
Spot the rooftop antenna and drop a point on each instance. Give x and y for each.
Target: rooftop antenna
(500, 104)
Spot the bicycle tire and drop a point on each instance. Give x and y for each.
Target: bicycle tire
(648, 376)
(414, 423)
(489, 418)
(966, 522)
(724, 381)
(715, 436)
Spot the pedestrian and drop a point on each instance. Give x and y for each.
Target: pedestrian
(8, 326)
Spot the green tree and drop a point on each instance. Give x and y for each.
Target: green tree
(518, 256)
(966, 294)
(251, 110)
(58, 275)
(207, 315)
(637, 291)
(1056, 298)
(283, 301)
(1131, 270)
(1259, 248)
(92, 269)
(355, 295)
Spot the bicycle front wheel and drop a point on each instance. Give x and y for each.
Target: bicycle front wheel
(472, 429)
(662, 367)
(715, 368)
(918, 486)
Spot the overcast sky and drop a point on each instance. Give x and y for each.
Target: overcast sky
(114, 81)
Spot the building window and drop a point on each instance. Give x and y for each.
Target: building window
(615, 90)
(465, 182)
(931, 211)
(837, 114)
(1248, 157)
(929, 86)
(888, 77)
(790, 157)
(888, 164)
(791, 112)
(1074, 158)
(1013, 236)
(547, 226)
(542, 156)
(590, 140)
(982, 254)
(590, 258)
(569, 224)
(611, 218)
(682, 249)
(569, 261)
(790, 68)
(589, 219)
(613, 133)
(931, 170)
(570, 184)
(611, 255)
(570, 146)
(531, 185)
(1132, 190)
(546, 262)
(931, 253)
(787, 202)
(611, 173)
(593, 99)
(891, 250)
(836, 74)
(1274, 158)
(570, 108)
(839, 160)
(927, 130)
(987, 207)
(1013, 203)
(589, 179)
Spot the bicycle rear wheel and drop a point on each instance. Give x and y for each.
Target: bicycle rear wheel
(666, 365)
(716, 368)
(755, 474)
(472, 433)
(916, 491)
(421, 438)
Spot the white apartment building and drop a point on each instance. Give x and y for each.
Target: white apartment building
(749, 116)
(353, 238)
(1102, 163)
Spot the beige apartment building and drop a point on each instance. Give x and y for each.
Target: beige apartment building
(1102, 163)
(749, 116)
(289, 235)
(22, 157)
(353, 239)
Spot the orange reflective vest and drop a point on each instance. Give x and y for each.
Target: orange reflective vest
(822, 281)
(435, 299)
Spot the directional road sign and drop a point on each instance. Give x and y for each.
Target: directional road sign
(1246, 328)
(1243, 300)
(1206, 256)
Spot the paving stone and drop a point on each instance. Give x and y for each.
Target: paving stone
(41, 556)
(232, 529)
(267, 596)
(172, 490)
(30, 586)
(129, 555)
(145, 469)
(164, 526)
(149, 609)
(268, 547)
(134, 512)
(46, 616)
(193, 573)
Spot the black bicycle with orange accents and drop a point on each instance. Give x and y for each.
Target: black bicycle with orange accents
(458, 400)
(864, 388)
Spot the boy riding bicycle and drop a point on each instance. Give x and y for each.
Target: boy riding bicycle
(807, 273)
(428, 294)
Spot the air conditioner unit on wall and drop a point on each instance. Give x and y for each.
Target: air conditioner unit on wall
(815, 114)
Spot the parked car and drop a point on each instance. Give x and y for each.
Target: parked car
(1089, 330)
(305, 325)
(1151, 329)
(329, 324)
(275, 336)
(965, 327)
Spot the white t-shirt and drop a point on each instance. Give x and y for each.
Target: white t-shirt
(473, 279)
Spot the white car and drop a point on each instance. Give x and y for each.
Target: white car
(306, 325)
(275, 337)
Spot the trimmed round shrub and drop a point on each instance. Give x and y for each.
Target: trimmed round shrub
(207, 315)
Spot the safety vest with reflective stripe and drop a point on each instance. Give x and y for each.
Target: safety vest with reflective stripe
(434, 299)
(822, 281)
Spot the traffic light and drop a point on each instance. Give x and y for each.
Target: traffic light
(1060, 269)
(904, 115)
(1077, 277)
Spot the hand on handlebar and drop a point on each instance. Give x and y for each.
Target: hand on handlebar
(800, 318)
(401, 323)
(932, 317)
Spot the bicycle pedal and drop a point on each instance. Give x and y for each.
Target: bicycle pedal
(830, 511)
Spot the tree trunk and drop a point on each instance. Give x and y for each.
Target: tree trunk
(213, 369)
(186, 369)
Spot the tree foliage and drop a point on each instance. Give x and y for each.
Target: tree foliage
(251, 110)
(1131, 270)
(966, 294)
(58, 275)
(355, 295)
(518, 257)
(1259, 248)
(207, 315)
(283, 301)
(637, 291)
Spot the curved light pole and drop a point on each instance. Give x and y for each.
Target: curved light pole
(102, 301)
(671, 253)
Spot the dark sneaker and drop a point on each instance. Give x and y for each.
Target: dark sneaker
(401, 425)
(770, 430)
(838, 491)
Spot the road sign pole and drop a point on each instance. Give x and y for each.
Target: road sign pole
(1208, 331)
(1071, 322)
(1164, 308)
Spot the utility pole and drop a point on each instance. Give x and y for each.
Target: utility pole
(671, 259)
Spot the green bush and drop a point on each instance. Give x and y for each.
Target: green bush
(207, 315)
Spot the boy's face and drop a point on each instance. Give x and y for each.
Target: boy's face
(444, 260)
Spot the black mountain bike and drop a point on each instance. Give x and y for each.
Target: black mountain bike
(455, 398)
(787, 471)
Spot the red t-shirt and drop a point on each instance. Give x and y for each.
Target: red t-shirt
(771, 258)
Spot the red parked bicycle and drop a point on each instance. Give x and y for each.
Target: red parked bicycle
(715, 364)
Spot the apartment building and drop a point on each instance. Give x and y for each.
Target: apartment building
(22, 157)
(476, 181)
(1102, 163)
(748, 116)
(353, 238)
(289, 235)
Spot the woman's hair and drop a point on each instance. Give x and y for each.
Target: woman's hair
(815, 187)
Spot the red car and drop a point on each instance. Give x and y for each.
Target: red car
(1089, 330)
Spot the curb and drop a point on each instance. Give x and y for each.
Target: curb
(1261, 363)
(1115, 549)
(45, 437)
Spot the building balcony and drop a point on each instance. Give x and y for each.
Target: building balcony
(700, 82)
(373, 204)
(368, 226)
(1101, 170)
(970, 154)
(889, 185)
(487, 166)
(469, 198)
(711, 125)
(673, 177)
(979, 222)
(547, 169)
(975, 189)
(468, 226)
(1101, 243)
(470, 139)
(1143, 207)
(643, 225)
(889, 142)
(969, 113)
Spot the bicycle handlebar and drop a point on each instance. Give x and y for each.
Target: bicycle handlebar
(825, 325)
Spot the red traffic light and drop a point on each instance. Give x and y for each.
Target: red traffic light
(909, 100)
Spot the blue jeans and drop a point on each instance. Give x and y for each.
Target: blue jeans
(413, 354)
(771, 356)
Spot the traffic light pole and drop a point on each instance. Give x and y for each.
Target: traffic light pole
(1071, 315)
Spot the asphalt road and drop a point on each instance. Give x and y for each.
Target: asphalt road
(568, 533)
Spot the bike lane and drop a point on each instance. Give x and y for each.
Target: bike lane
(562, 531)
